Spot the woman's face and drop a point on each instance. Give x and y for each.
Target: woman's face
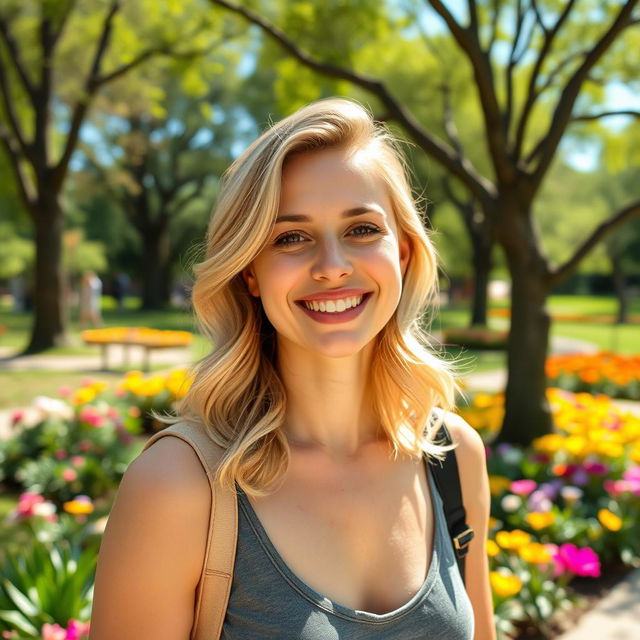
(335, 231)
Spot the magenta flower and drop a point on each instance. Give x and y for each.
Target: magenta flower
(581, 562)
(523, 487)
(596, 468)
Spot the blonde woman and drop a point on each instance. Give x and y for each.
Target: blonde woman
(318, 393)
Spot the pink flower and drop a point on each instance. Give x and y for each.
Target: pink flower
(60, 454)
(89, 415)
(78, 461)
(69, 475)
(85, 446)
(65, 392)
(523, 487)
(27, 503)
(53, 632)
(17, 416)
(581, 562)
(617, 487)
(77, 630)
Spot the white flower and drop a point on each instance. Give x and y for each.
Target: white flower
(44, 509)
(571, 494)
(53, 407)
(511, 503)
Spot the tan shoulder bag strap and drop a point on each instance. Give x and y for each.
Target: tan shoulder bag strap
(213, 590)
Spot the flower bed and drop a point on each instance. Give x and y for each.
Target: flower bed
(564, 507)
(603, 372)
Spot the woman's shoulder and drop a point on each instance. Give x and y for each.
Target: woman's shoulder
(472, 465)
(467, 439)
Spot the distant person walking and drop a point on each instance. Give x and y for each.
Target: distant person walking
(119, 289)
(90, 300)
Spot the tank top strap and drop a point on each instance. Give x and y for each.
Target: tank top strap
(215, 581)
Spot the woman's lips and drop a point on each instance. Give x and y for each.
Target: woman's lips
(339, 316)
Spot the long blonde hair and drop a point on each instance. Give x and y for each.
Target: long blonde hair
(237, 393)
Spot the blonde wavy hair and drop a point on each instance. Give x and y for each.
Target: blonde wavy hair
(237, 393)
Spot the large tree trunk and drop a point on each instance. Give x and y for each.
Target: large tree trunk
(48, 328)
(527, 411)
(482, 273)
(619, 287)
(155, 270)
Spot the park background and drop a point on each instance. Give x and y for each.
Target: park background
(520, 123)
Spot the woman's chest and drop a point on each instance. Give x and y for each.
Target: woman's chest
(363, 542)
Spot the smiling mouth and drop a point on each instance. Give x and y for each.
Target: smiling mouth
(365, 296)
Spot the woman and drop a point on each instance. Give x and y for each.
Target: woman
(319, 393)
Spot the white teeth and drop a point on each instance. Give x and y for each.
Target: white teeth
(333, 306)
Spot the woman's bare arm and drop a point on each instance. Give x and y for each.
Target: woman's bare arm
(474, 482)
(153, 547)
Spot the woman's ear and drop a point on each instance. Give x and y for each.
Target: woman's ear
(405, 249)
(250, 280)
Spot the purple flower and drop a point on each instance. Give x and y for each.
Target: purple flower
(550, 489)
(581, 562)
(539, 502)
(580, 477)
(523, 487)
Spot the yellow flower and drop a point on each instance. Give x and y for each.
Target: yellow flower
(535, 553)
(78, 507)
(84, 395)
(538, 520)
(505, 584)
(609, 449)
(513, 539)
(609, 520)
(498, 484)
(492, 548)
(550, 443)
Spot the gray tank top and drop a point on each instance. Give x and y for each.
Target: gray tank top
(268, 601)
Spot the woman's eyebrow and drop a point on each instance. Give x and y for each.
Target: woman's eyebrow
(349, 213)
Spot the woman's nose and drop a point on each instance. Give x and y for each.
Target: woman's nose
(331, 261)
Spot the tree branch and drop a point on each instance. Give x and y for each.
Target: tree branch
(468, 40)
(90, 87)
(598, 234)
(606, 114)
(511, 64)
(13, 153)
(482, 188)
(12, 118)
(562, 113)
(532, 93)
(14, 54)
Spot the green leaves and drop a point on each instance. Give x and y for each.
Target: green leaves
(51, 583)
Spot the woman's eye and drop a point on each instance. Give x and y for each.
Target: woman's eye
(369, 228)
(290, 238)
(287, 239)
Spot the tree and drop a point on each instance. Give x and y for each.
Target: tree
(529, 98)
(55, 56)
(158, 168)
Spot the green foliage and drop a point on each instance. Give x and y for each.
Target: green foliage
(51, 583)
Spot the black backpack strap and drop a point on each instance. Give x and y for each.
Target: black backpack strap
(447, 478)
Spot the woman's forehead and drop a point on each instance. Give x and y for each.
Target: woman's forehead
(331, 177)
